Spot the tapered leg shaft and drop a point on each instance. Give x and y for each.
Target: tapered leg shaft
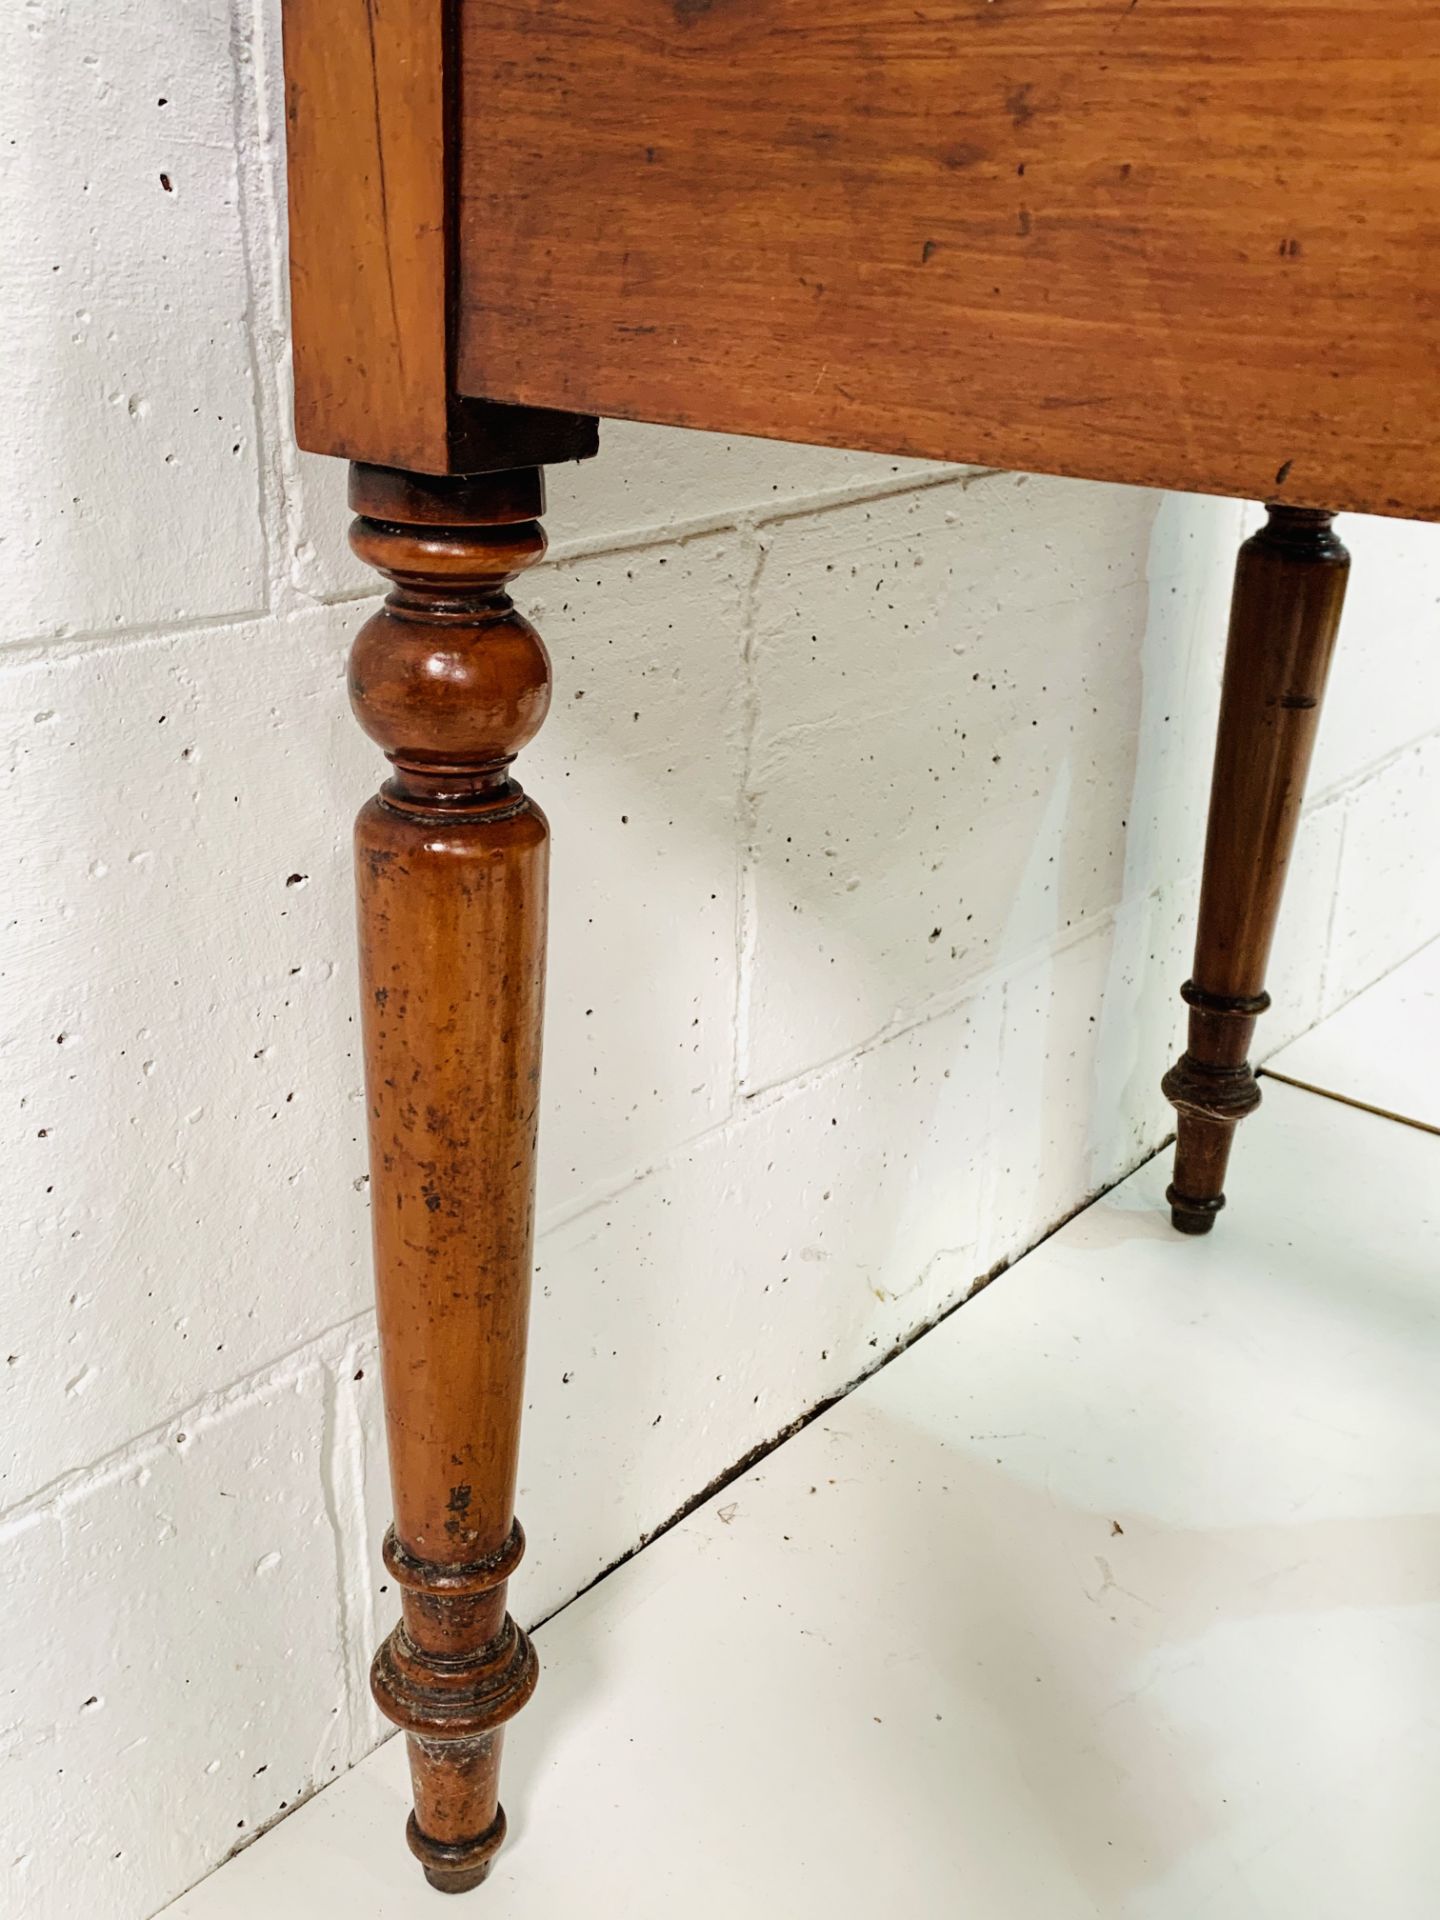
(1289, 589)
(451, 867)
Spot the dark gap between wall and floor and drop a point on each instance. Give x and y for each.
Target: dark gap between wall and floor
(758, 1453)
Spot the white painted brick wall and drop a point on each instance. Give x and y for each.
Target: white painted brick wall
(878, 795)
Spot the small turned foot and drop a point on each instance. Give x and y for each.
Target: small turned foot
(457, 1867)
(444, 1882)
(1184, 1221)
(1190, 1213)
(1192, 1216)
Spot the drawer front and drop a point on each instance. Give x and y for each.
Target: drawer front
(1181, 244)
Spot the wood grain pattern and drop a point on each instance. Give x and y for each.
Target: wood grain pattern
(365, 125)
(1186, 245)
(369, 114)
(1290, 584)
(451, 863)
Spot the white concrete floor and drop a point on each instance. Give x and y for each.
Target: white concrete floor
(1117, 1595)
(1382, 1050)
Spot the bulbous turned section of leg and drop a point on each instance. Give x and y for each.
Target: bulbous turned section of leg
(1289, 590)
(451, 864)
(1212, 1087)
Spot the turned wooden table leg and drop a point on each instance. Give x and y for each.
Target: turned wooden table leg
(1289, 589)
(451, 866)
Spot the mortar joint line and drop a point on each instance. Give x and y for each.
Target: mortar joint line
(247, 116)
(321, 1349)
(758, 543)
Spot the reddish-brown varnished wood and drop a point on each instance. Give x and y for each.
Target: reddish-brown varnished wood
(370, 121)
(1289, 590)
(451, 862)
(1178, 245)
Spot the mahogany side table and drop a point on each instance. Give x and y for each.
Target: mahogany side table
(1177, 243)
